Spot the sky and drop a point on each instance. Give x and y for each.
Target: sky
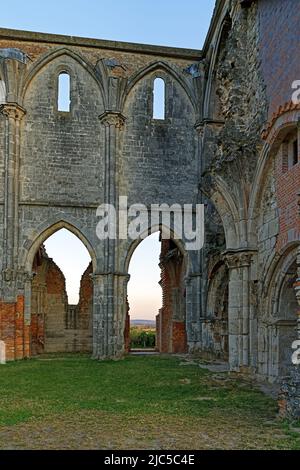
(144, 292)
(61, 247)
(174, 23)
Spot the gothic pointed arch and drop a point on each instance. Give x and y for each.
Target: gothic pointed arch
(282, 124)
(44, 231)
(216, 189)
(54, 54)
(135, 243)
(221, 34)
(169, 70)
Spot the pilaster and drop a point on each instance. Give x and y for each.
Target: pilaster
(193, 311)
(238, 263)
(109, 314)
(14, 115)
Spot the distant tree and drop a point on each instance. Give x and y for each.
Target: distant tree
(142, 338)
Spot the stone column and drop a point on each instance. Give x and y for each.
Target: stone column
(193, 312)
(13, 114)
(102, 315)
(121, 303)
(27, 282)
(109, 312)
(113, 122)
(239, 263)
(107, 315)
(12, 300)
(200, 279)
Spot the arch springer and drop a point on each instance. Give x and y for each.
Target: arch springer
(112, 118)
(13, 110)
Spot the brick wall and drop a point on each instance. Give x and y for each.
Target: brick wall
(287, 188)
(79, 338)
(49, 306)
(279, 48)
(57, 326)
(13, 330)
(170, 322)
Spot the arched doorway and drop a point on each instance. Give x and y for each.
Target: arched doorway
(215, 328)
(162, 262)
(277, 328)
(286, 320)
(61, 296)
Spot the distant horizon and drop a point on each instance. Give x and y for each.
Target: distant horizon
(144, 291)
(141, 320)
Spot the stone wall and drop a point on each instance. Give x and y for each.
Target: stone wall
(56, 145)
(215, 326)
(289, 397)
(152, 148)
(248, 118)
(234, 113)
(64, 164)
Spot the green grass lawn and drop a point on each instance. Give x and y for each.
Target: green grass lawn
(151, 402)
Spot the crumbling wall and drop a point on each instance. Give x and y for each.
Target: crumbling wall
(215, 326)
(243, 106)
(289, 397)
(171, 320)
(13, 329)
(214, 287)
(57, 326)
(49, 306)
(268, 222)
(79, 328)
(232, 143)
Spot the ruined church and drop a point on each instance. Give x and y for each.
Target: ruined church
(228, 138)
